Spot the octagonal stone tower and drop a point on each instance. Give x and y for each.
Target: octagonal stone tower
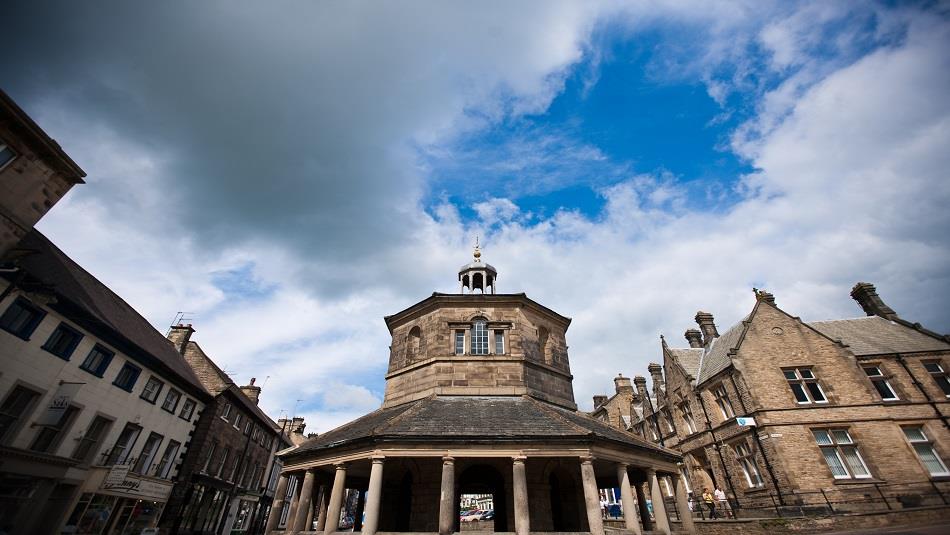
(478, 344)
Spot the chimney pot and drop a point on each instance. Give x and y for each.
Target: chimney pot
(866, 295)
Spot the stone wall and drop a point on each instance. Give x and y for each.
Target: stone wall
(925, 516)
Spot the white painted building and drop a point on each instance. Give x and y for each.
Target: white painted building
(96, 406)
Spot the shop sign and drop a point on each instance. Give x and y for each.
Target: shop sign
(745, 421)
(135, 486)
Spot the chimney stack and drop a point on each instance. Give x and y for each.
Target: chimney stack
(866, 296)
(762, 295)
(622, 384)
(599, 400)
(252, 392)
(298, 426)
(708, 326)
(656, 373)
(694, 337)
(641, 384)
(179, 335)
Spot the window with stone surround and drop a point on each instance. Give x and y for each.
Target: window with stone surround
(91, 439)
(479, 337)
(499, 342)
(936, 370)
(880, 382)
(804, 386)
(924, 448)
(414, 343)
(50, 436)
(722, 401)
(747, 461)
(687, 415)
(841, 453)
(14, 410)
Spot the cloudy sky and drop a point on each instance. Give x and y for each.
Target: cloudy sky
(290, 173)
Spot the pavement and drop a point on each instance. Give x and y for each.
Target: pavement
(897, 530)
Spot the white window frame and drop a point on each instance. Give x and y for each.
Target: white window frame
(226, 411)
(877, 378)
(939, 376)
(803, 377)
(925, 442)
(687, 414)
(721, 395)
(498, 336)
(837, 445)
(746, 459)
(479, 337)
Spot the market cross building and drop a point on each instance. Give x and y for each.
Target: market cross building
(478, 400)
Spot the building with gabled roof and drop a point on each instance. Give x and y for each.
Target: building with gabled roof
(781, 409)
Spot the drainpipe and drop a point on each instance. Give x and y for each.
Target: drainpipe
(758, 442)
(923, 391)
(722, 460)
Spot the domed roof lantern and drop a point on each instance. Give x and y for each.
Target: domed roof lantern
(477, 275)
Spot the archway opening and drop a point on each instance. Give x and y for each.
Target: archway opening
(483, 500)
(567, 509)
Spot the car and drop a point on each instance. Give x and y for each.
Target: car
(471, 516)
(489, 515)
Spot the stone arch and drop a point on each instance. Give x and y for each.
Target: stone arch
(414, 343)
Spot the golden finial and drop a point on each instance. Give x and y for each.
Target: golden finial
(478, 252)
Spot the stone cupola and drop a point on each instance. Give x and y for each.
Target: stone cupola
(477, 275)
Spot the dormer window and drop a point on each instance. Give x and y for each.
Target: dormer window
(480, 337)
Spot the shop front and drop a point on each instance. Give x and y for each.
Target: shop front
(117, 502)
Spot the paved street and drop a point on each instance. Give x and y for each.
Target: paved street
(899, 530)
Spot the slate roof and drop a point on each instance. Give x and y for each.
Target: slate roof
(88, 302)
(874, 335)
(689, 358)
(467, 419)
(716, 355)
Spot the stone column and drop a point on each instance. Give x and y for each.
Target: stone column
(591, 497)
(659, 508)
(295, 500)
(336, 499)
(642, 506)
(322, 508)
(278, 506)
(306, 496)
(447, 497)
(520, 484)
(682, 503)
(374, 497)
(630, 516)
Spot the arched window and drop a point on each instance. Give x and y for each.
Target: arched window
(414, 343)
(479, 337)
(543, 344)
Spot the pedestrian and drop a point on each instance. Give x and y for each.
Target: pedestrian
(723, 502)
(710, 502)
(689, 500)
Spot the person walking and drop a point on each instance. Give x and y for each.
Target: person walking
(710, 502)
(723, 502)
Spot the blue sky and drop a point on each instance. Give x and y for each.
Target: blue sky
(293, 176)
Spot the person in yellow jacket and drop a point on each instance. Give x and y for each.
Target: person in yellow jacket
(710, 502)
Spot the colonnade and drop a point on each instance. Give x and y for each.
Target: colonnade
(636, 515)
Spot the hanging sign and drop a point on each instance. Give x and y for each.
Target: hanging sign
(59, 403)
(745, 421)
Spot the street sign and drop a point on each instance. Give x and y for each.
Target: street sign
(745, 421)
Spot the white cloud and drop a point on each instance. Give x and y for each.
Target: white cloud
(850, 186)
